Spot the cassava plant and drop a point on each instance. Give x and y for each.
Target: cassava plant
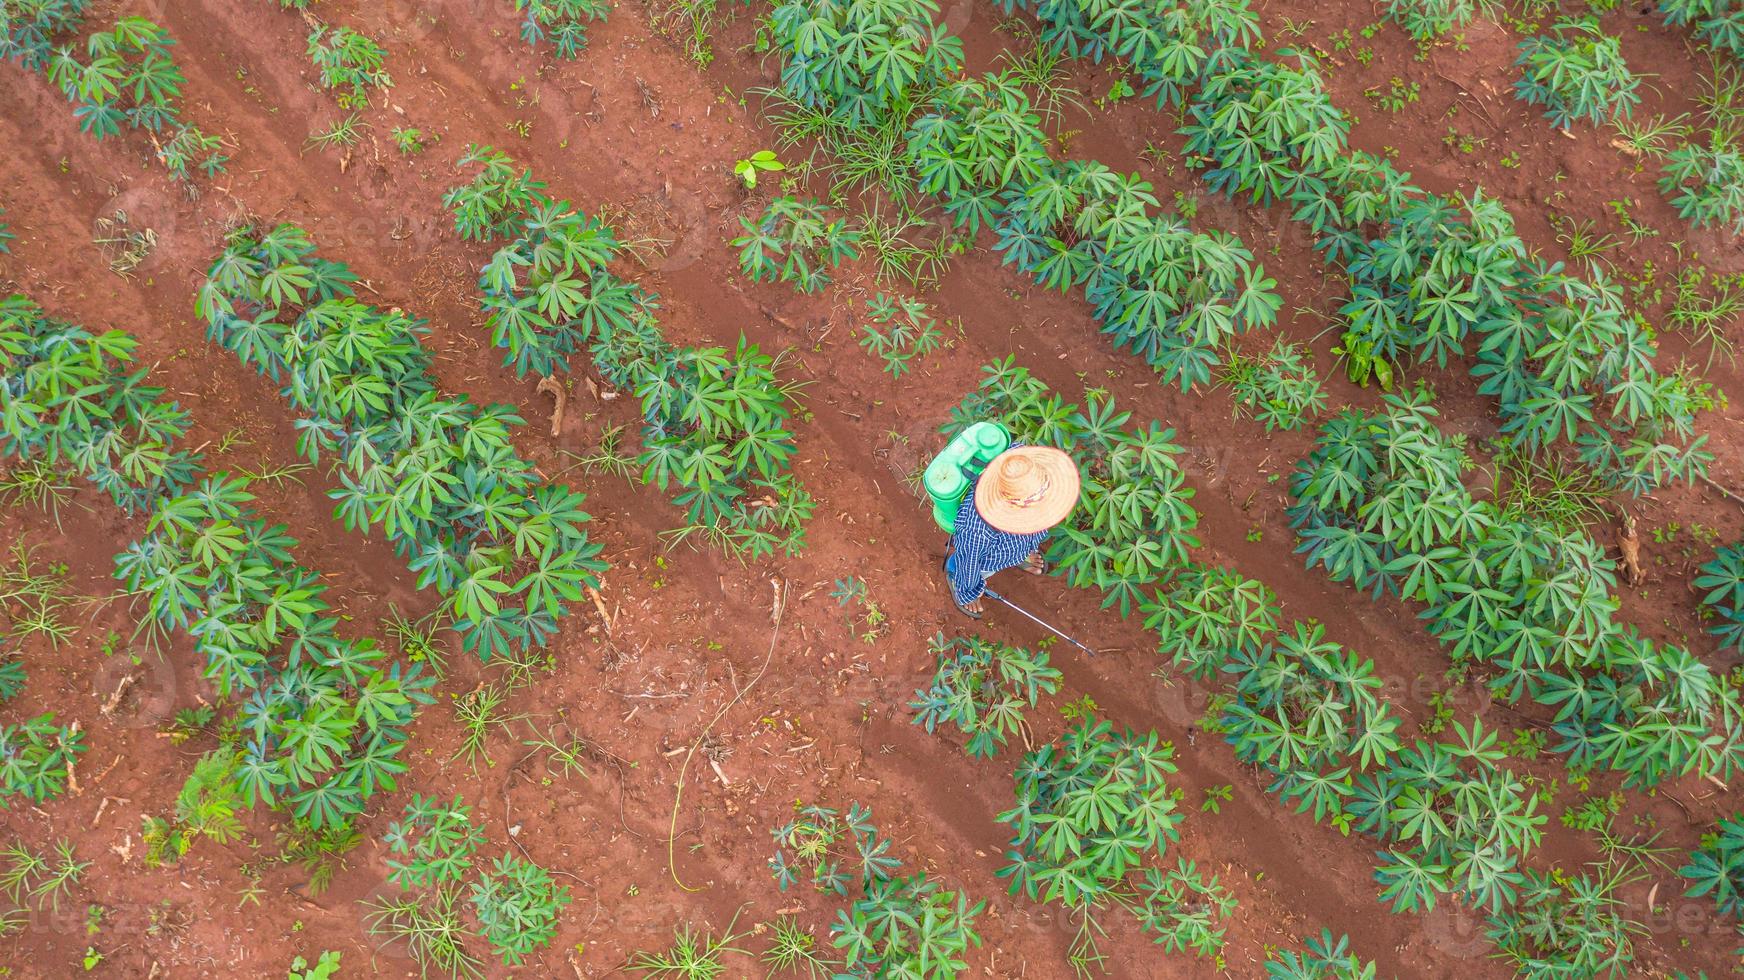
(433, 844)
(562, 22)
(795, 242)
(1427, 20)
(1722, 583)
(30, 28)
(349, 63)
(861, 63)
(517, 905)
(715, 420)
(1577, 72)
(1278, 388)
(894, 925)
(1321, 958)
(984, 688)
(1716, 867)
(1092, 809)
(127, 78)
(902, 329)
(495, 202)
(1717, 23)
(34, 757)
(548, 292)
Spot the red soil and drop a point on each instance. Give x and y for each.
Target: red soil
(632, 123)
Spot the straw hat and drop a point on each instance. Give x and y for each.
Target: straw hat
(1027, 489)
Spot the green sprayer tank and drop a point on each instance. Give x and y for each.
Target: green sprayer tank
(950, 475)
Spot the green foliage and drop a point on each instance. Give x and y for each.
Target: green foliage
(73, 400)
(1278, 388)
(1562, 925)
(1256, 124)
(817, 840)
(909, 331)
(323, 721)
(1171, 295)
(1577, 72)
(319, 735)
(128, 78)
(1717, 23)
(1170, 48)
(1207, 617)
(431, 925)
(1705, 180)
(349, 63)
(762, 161)
(517, 905)
(1723, 580)
(1090, 808)
(547, 293)
(495, 202)
(1457, 822)
(796, 242)
(562, 22)
(1303, 705)
(207, 806)
(907, 927)
(433, 844)
(861, 63)
(1380, 503)
(324, 968)
(715, 421)
(1426, 20)
(694, 955)
(984, 688)
(320, 850)
(1133, 523)
(1323, 958)
(6, 236)
(34, 755)
(1716, 868)
(437, 476)
(28, 28)
(1183, 910)
(12, 678)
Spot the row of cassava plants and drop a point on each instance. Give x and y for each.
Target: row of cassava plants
(1381, 504)
(122, 78)
(1577, 73)
(1432, 277)
(976, 145)
(716, 420)
(317, 721)
(1297, 704)
(436, 475)
(1555, 346)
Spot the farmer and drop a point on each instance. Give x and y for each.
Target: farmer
(1020, 495)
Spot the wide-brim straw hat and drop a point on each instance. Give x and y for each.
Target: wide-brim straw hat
(1027, 489)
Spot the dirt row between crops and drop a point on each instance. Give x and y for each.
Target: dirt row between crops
(634, 124)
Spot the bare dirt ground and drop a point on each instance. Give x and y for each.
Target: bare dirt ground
(636, 125)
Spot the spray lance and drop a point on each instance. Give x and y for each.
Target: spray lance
(947, 481)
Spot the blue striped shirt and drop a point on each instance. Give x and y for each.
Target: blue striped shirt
(980, 549)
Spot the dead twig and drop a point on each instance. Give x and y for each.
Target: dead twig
(114, 700)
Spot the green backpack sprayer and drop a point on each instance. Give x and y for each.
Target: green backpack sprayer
(950, 477)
